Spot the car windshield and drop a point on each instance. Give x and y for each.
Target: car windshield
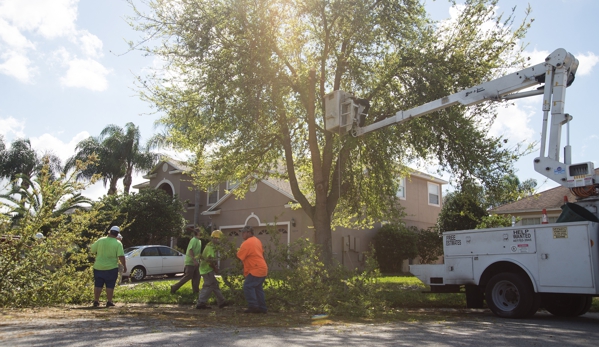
(130, 249)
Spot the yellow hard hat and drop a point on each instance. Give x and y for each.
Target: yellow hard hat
(217, 233)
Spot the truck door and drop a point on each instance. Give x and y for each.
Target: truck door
(563, 252)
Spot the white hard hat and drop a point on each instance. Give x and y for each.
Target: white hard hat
(115, 228)
(39, 236)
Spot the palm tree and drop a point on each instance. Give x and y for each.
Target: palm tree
(133, 156)
(22, 159)
(119, 155)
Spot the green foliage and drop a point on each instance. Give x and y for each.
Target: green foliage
(495, 221)
(245, 85)
(430, 245)
(508, 190)
(53, 269)
(148, 217)
(462, 209)
(392, 244)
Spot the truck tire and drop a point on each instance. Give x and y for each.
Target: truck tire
(510, 295)
(567, 305)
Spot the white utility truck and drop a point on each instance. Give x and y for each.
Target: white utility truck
(518, 269)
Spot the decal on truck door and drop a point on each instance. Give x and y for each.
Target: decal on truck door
(560, 232)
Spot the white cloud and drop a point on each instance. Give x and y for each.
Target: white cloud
(586, 63)
(50, 143)
(50, 19)
(513, 121)
(10, 35)
(21, 20)
(91, 45)
(86, 73)
(18, 66)
(11, 128)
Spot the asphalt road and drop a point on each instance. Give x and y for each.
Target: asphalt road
(477, 328)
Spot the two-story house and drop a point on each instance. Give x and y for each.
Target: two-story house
(270, 202)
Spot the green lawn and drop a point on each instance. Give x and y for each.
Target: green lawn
(397, 291)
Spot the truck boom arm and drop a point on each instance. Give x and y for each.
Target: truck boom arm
(343, 112)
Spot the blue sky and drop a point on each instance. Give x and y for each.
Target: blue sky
(65, 73)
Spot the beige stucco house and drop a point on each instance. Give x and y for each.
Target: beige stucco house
(270, 202)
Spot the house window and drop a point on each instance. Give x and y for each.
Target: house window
(212, 195)
(401, 189)
(536, 221)
(433, 194)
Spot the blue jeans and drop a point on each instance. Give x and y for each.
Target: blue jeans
(254, 293)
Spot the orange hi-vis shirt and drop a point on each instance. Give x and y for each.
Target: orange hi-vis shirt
(252, 257)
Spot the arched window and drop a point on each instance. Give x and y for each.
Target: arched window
(167, 189)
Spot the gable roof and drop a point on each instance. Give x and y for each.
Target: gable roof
(176, 164)
(551, 200)
(278, 185)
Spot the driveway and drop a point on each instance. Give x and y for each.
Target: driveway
(184, 326)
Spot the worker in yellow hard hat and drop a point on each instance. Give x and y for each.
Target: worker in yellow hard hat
(208, 271)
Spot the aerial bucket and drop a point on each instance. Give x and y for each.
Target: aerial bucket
(575, 213)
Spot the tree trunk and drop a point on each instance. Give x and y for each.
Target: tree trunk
(112, 187)
(128, 180)
(323, 234)
(127, 183)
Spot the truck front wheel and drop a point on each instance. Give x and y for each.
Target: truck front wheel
(510, 295)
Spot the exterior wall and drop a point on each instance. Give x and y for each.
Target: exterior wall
(419, 212)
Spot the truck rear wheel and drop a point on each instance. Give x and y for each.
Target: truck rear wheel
(510, 295)
(567, 305)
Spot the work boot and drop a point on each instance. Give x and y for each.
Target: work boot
(109, 304)
(253, 310)
(203, 307)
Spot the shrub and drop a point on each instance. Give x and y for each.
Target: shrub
(392, 244)
(430, 245)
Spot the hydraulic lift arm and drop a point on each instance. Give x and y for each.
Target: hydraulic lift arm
(343, 112)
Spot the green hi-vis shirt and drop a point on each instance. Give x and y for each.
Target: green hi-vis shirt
(209, 253)
(107, 251)
(195, 245)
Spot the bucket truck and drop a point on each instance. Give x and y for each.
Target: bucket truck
(517, 269)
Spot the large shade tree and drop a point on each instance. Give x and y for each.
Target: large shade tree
(244, 82)
(119, 154)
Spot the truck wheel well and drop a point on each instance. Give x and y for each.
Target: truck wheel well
(500, 267)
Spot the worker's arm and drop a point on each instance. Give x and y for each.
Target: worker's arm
(193, 256)
(123, 262)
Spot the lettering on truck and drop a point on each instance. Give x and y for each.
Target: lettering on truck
(522, 235)
(450, 240)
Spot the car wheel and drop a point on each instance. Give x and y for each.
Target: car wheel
(138, 273)
(510, 295)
